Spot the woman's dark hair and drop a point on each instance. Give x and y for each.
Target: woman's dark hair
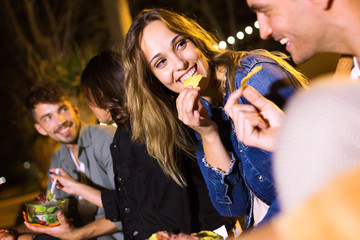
(102, 83)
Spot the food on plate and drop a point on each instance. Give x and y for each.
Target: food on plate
(193, 81)
(203, 235)
(250, 74)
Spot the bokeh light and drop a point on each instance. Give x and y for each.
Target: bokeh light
(240, 35)
(231, 40)
(249, 30)
(222, 45)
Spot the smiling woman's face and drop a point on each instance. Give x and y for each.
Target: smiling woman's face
(172, 57)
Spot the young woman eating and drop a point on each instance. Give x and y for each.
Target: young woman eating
(161, 51)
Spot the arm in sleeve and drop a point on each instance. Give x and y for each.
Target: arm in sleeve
(110, 203)
(227, 191)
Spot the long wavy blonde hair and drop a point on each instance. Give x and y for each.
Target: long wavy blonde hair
(152, 107)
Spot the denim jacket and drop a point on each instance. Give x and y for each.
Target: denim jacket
(251, 171)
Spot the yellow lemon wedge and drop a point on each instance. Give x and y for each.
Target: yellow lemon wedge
(193, 81)
(250, 74)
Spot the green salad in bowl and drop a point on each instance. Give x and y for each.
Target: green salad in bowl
(43, 210)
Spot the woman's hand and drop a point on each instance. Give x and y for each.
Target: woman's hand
(192, 113)
(256, 125)
(67, 184)
(64, 181)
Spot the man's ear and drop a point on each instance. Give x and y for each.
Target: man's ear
(323, 4)
(76, 110)
(40, 129)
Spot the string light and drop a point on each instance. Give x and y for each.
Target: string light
(239, 35)
(231, 40)
(222, 45)
(249, 30)
(105, 124)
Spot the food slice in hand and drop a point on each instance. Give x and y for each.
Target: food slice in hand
(250, 74)
(193, 81)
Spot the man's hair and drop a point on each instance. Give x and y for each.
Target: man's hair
(44, 92)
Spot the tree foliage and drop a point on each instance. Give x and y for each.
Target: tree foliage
(45, 40)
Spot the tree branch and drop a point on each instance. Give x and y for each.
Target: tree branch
(207, 11)
(34, 27)
(52, 22)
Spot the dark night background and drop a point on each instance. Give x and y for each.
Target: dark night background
(55, 43)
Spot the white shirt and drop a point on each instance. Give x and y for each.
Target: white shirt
(260, 210)
(355, 71)
(79, 167)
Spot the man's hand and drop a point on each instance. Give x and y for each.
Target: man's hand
(67, 231)
(256, 125)
(64, 231)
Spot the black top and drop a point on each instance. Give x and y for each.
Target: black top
(146, 200)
